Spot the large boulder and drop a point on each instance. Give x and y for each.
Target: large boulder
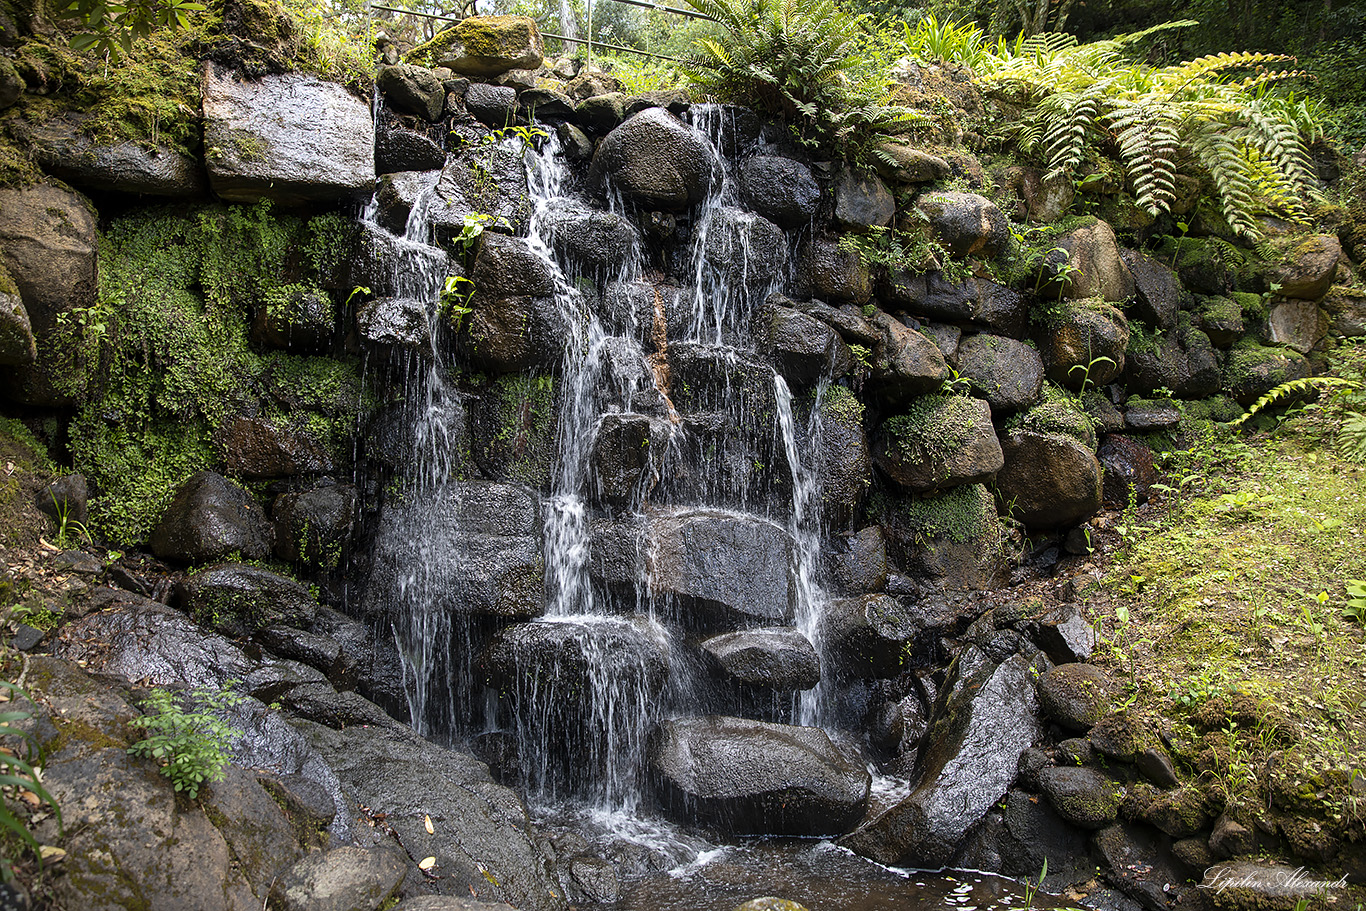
(974, 301)
(834, 274)
(1158, 290)
(1084, 797)
(780, 189)
(1083, 344)
(941, 441)
(862, 202)
(905, 362)
(1005, 372)
(1095, 267)
(412, 89)
(444, 804)
(484, 46)
(238, 600)
(868, 635)
(1075, 695)
(292, 138)
(966, 224)
(838, 454)
(1297, 324)
(625, 456)
(714, 564)
(1346, 309)
(744, 250)
(954, 538)
(1049, 480)
(1129, 470)
(779, 658)
(468, 547)
(148, 169)
(901, 163)
(483, 180)
(804, 348)
(1309, 268)
(17, 344)
(556, 658)
(592, 242)
(209, 518)
(390, 324)
(981, 723)
(1251, 371)
(756, 778)
(656, 160)
(342, 879)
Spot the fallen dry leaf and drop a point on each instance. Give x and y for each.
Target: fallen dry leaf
(426, 863)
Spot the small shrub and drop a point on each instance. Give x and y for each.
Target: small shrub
(186, 735)
(19, 769)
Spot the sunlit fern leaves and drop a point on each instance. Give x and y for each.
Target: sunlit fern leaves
(1249, 141)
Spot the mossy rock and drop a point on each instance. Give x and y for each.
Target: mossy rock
(1059, 413)
(940, 442)
(1082, 796)
(484, 46)
(1075, 696)
(1252, 370)
(955, 535)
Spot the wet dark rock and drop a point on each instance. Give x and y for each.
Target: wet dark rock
(710, 561)
(258, 448)
(870, 635)
(946, 337)
(780, 658)
(1157, 288)
(398, 193)
(977, 301)
(313, 526)
(209, 518)
(292, 138)
(494, 105)
(381, 261)
(513, 430)
(1229, 838)
(656, 160)
(1083, 797)
(26, 638)
(966, 224)
(857, 563)
(862, 202)
(624, 461)
(1095, 266)
(398, 149)
(237, 600)
(1309, 269)
(483, 545)
(1075, 696)
(954, 537)
(450, 903)
(780, 189)
(1156, 766)
(594, 242)
(1085, 344)
(145, 641)
(577, 146)
(392, 323)
(544, 105)
(273, 677)
(675, 101)
(1221, 318)
(18, 347)
(600, 114)
(1064, 635)
(65, 497)
(1033, 833)
(412, 89)
(1051, 480)
(626, 380)
(941, 442)
(804, 348)
(833, 274)
(63, 148)
(342, 879)
(394, 439)
(906, 363)
(320, 702)
(1006, 372)
(1138, 861)
(841, 458)
(482, 178)
(753, 777)
(745, 249)
(1129, 470)
(982, 722)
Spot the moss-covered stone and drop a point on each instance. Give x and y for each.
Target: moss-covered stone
(1059, 413)
(484, 46)
(1251, 370)
(941, 441)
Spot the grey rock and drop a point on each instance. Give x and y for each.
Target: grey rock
(862, 202)
(1346, 309)
(1064, 635)
(1129, 470)
(302, 320)
(780, 658)
(1006, 372)
(909, 165)
(1249, 373)
(397, 149)
(513, 429)
(481, 178)
(753, 777)
(839, 455)
(494, 105)
(1138, 861)
(780, 189)
(398, 193)
(237, 600)
(487, 46)
(966, 224)
(1297, 324)
(906, 363)
(208, 518)
(66, 497)
(1146, 417)
(601, 114)
(1075, 696)
(313, 526)
(625, 458)
(805, 349)
(857, 563)
(833, 274)
(1095, 266)
(575, 142)
(412, 89)
(745, 250)
(64, 149)
(1229, 838)
(449, 903)
(292, 138)
(868, 635)
(982, 722)
(1084, 344)
(18, 346)
(954, 537)
(1157, 767)
(656, 160)
(1157, 288)
(942, 441)
(483, 549)
(394, 324)
(592, 242)
(1309, 269)
(975, 301)
(349, 878)
(1084, 797)
(545, 105)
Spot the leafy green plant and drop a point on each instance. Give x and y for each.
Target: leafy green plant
(801, 62)
(1078, 95)
(68, 528)
(863, 354)
(1293, 388)
(1355, 608)
(114, 26)
(949, 41)
(1085, 370)
(187, 736)
(455, 299)
(19, 769)
(1032, 886)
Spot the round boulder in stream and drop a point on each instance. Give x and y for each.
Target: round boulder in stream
(656, 160)
(754, 777)
(780, 657)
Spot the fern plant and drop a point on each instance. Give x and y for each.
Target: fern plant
(1215, 110)
(802, 62)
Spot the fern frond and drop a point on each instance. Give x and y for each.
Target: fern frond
(1292, 388)
(1148, 143)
